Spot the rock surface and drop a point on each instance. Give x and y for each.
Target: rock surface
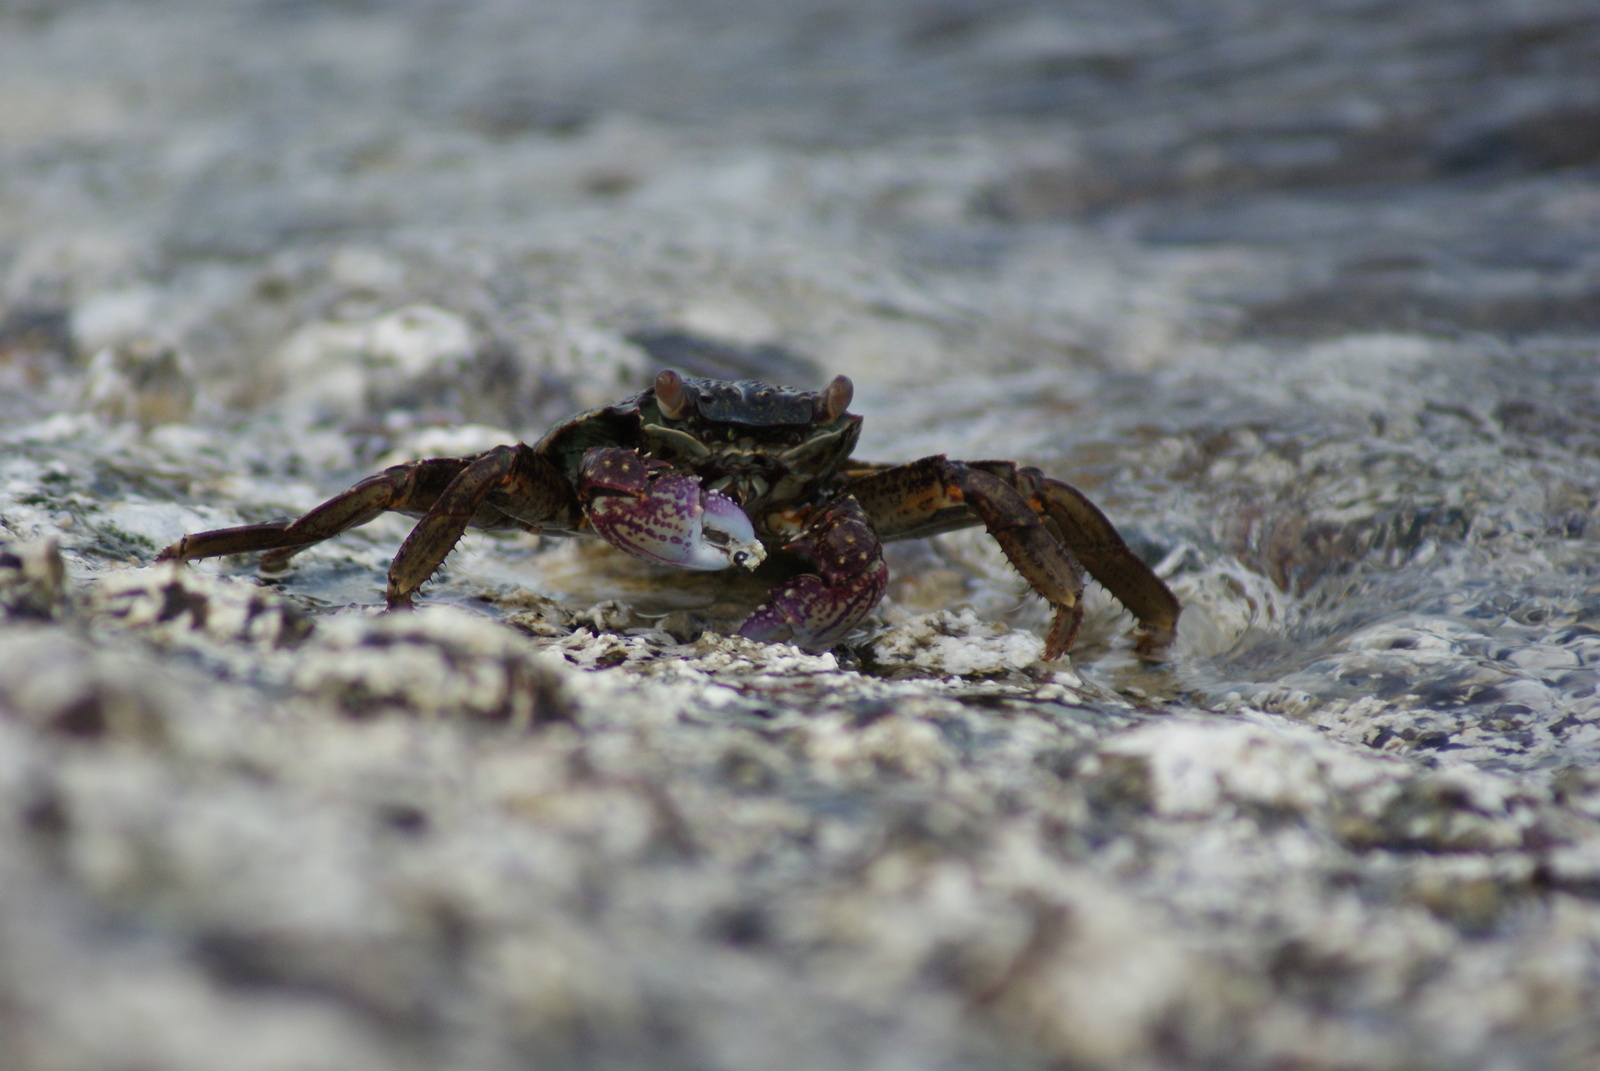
(1305, 297)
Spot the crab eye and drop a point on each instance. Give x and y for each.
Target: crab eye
(834, 399)
(671, 397)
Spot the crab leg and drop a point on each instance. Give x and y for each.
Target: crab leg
(449, 494)
(513, 473)
(1045, 527)
(816, 611)
(1091, 537)
(410, 487)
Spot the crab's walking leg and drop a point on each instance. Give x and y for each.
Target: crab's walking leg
(447, 493)
(914, 498)
(410, 487)
(816, 611)
(1045, 527)
(512, 473)
(1095, 541)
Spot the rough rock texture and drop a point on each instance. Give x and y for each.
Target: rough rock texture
(1306, 296)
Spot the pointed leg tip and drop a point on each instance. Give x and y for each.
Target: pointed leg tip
(1152, 641)
(274, 562)
(174, 552)
(1063, 632)
(1055, 650)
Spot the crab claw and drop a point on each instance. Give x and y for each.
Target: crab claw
(816, 612)
(814, 615)
(666, 519)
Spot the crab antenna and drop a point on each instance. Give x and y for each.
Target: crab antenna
(671, 398)
(834, 398)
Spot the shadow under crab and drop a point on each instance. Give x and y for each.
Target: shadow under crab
(709, 474)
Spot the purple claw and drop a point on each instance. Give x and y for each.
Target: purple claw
(815, 612)
(669, 520)
(811, 614)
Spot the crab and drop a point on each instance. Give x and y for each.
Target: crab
(713, 474)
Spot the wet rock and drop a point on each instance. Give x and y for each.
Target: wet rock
(1303, 299)
(71, 691)
(142, 382)
(957, 643)
(35, 343)
(436, 663)
(171, 605)
(33, 579)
